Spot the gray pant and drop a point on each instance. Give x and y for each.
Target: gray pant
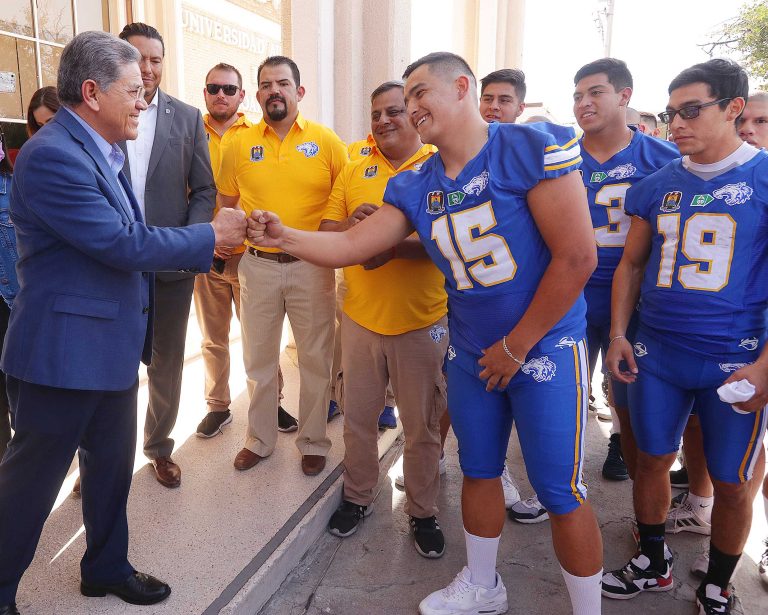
(172, 301)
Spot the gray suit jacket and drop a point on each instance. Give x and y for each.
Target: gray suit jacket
(180, 189)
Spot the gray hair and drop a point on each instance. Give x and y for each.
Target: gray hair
(94, 55)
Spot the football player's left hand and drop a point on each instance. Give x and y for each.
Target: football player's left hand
(757, 374)
(500, 368)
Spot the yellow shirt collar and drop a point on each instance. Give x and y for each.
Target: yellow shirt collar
(300, 122)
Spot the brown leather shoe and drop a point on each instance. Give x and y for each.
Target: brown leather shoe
(312, 465)
(76, 488)
(168, 473)
(246, 459)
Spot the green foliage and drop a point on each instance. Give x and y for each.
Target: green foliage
(749, 35)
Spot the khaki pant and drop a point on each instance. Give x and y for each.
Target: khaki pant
(268, 291)
(413, 363)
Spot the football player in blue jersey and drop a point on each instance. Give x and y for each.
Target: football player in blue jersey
(489, 208)
(697, 257)
(614, 157)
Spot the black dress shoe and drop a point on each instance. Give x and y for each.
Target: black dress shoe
(9, 609)
(139, 588)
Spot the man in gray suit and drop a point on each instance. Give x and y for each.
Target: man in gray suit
(170, 171)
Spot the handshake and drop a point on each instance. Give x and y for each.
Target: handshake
(232, 227)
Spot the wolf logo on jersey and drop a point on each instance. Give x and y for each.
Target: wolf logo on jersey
(477, 184)
(622, 171)
(734, 194)
(541, 368)
(732, 367)
(309, 149)
(749, 343)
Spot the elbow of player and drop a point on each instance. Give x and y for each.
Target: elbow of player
(582, 264)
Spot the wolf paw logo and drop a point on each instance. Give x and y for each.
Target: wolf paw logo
(622, 171)
(734, 194)
(732, 367)
(477, 184)
(749, 343)
(437, 333)
(640, 349)
(309, 149)
(565, 342)
(541, 368)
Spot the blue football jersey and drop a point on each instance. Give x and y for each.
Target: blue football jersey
(705, 287)
(480, 233)
(607, 186)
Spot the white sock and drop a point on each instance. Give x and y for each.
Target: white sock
(615, 425)
(481, 559)
(702, 506)
(584, 592)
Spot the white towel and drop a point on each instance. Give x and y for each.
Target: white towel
(736, 392)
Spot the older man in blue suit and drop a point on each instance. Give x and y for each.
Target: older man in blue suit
(82, 319)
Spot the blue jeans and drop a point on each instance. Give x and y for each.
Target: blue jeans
(9, 284)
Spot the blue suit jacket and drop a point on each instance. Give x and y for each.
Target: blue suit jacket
(82, 318)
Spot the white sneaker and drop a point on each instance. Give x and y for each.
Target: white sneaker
(511, 494)
(685, 519)
(400, 478)
(528, 511)
(462, 597)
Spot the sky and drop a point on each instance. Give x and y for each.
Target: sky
(656, 38)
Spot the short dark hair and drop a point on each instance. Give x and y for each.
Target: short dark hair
(141, 29)
(44, 97)
(277, 61)
(386, 87)
(442, 61)
(725, 79)
(616, 70)
(513, 76)
(226, 67)
(649, 119)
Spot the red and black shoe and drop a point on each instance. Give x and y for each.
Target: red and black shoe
(637, 576)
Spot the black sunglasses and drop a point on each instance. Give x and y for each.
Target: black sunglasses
(688, 113)
(213, 89)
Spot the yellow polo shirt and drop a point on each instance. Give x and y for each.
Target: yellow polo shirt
(292, 177)
(405, 294)
(361, 149)
(215, 143)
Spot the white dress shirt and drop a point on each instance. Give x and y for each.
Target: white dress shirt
(140, 150)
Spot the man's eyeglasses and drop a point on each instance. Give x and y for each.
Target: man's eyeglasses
(688, 113)
(213, 89)
(137, 93)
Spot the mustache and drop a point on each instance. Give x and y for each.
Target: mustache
(275, 97)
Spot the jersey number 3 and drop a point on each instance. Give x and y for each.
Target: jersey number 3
(614, 234)
(493, 262)
(707, 241)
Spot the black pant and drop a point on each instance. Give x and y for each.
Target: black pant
(50, 424)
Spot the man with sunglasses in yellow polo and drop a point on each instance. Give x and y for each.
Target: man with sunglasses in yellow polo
(697, 258)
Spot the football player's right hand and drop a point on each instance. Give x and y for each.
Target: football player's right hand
(621, 350)
(757, 374)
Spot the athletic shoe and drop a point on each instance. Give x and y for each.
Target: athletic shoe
(347, 517)
(679, 478)
(678, 500)
(387, 418)
(528, 511)
(212, 423)
(614, 467)
(285, 422)
(462, 597)
(511, 494)
(428, 537)
(713, 600)
(592, 404)
(400, 478)
(684, 519)
(700, 565)
(762, 567)
(333, 410)
(636, 577)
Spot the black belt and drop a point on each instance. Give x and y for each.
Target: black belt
(280, 257)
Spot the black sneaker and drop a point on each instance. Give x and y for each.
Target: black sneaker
(347, 517)
(712, 600)
(285, 422)
(614, 467)
(679, 478)
(212, 423)
(428, 537)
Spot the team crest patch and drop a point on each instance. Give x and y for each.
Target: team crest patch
(701, 200)
(597, 177)
(622, 171)
(565, 342)
(477, 184)
(640, 349)
(435, 204)
(371, 171)
(437, 333)
(734, 194)
(749, 343)
(309, 149)
(451, 353)
(671, 201)
(732, 367)
(541, 368)
(364, 151)
(257, 153)
(455, 198)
